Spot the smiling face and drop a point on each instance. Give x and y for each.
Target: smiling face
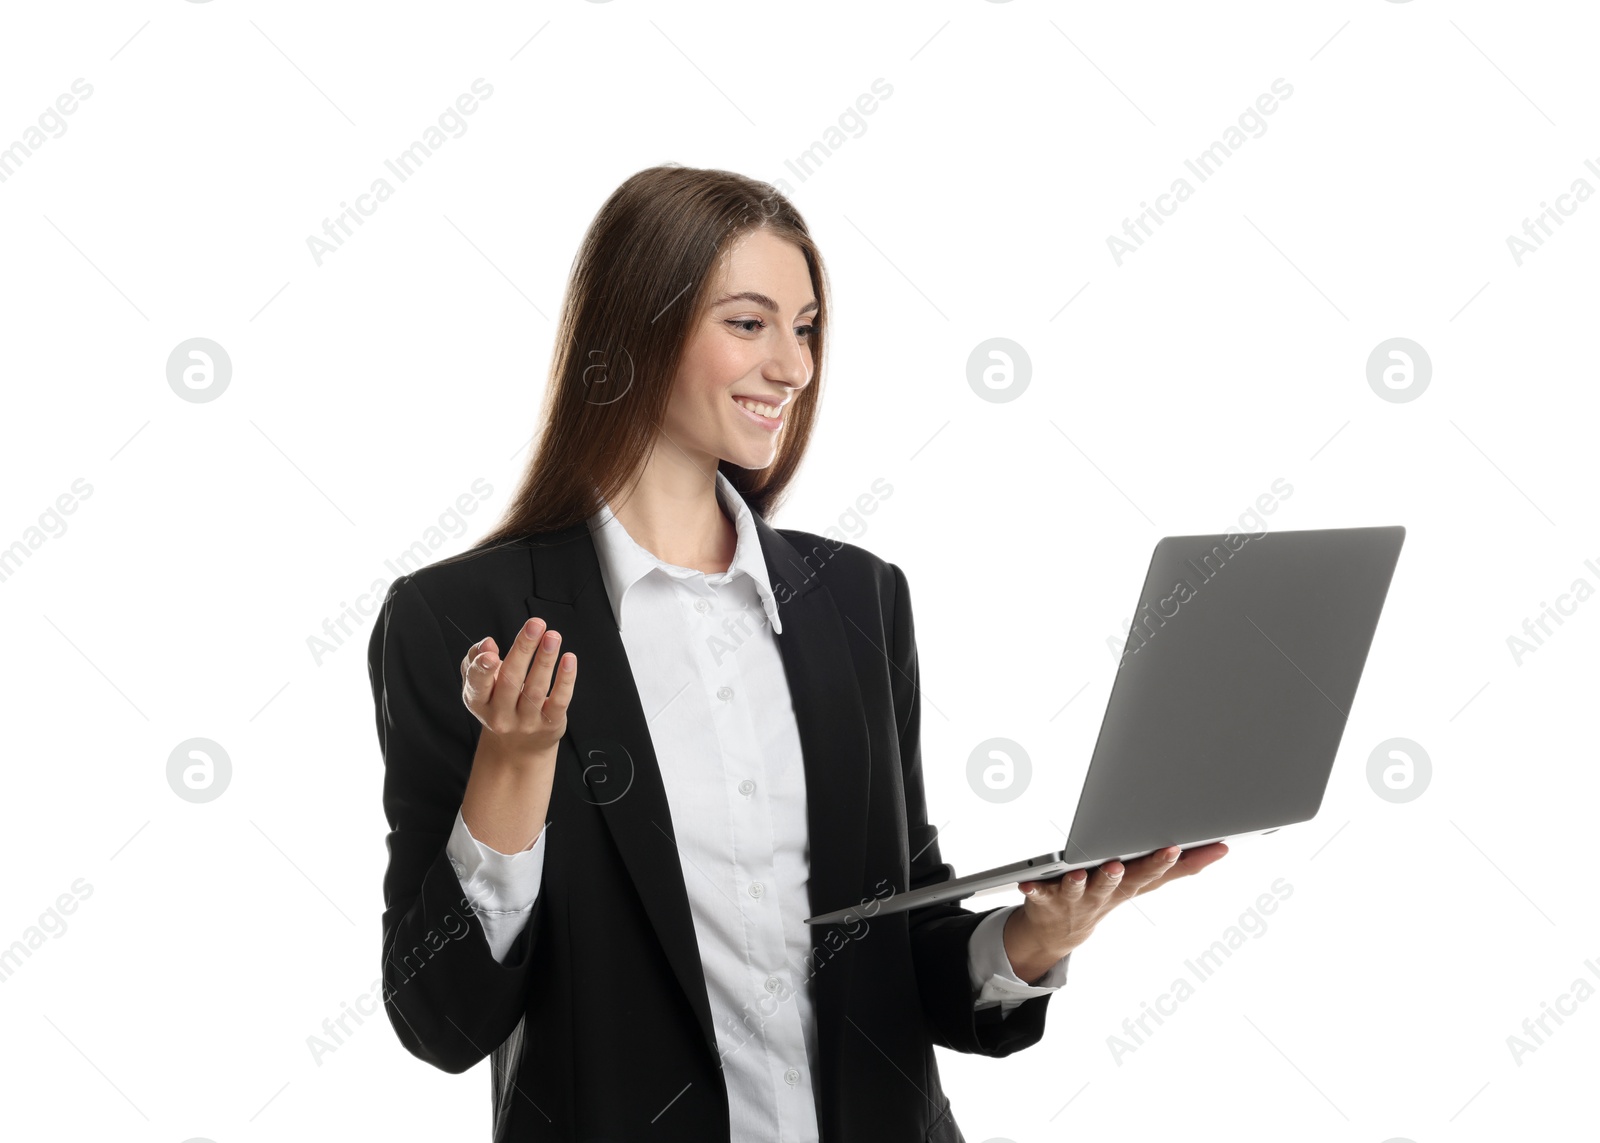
(747, 357)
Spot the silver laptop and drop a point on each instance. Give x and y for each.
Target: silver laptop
(1229, 701)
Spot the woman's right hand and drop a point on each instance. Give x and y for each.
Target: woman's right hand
(523, 717)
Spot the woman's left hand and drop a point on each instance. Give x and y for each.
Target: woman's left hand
(1058, 916)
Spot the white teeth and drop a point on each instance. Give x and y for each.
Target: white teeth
(757, 407)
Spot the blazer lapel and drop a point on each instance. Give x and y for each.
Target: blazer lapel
(624, 781)
(831, 718)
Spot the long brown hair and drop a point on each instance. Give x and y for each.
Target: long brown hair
(642, 277)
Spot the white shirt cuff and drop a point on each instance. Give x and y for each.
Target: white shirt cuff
(501, 886)
(993, 979)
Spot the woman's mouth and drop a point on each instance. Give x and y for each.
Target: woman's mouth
(766, 416)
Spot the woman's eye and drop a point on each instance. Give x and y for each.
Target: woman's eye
(755, 325)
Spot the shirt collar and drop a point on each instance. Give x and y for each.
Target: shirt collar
(624, 563)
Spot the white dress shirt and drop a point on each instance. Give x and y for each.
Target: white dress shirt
(711, 682)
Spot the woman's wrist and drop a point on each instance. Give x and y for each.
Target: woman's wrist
(496, 753)
(507, 797)
(1031, 956)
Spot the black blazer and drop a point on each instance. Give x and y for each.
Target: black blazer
(597, 1023)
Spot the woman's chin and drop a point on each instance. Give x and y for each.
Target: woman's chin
(754, 458)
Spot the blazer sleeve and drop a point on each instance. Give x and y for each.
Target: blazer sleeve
(941, 934)
(449, 1000)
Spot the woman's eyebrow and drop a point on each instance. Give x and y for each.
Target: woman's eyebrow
(761, 299)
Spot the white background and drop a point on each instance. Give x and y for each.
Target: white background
(369, 392)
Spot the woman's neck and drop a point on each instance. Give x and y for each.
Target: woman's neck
(674, 514)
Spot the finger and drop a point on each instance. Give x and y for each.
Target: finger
(555, 707)
(514, 671)
(477, 676)
(537, 685)
(1150, 870)
(1106, 880)
(1155, 866)
(486, 643)
(1194, 860)
(1071, 882)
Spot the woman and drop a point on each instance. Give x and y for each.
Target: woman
(602, 886)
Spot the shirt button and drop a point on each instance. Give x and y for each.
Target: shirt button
(792, 1076)
(701, 606)
(456, 865)
(756, 889)
(773, 984)
(724, 693)
(747, 787)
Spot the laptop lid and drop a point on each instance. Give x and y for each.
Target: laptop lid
(1233, 688)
